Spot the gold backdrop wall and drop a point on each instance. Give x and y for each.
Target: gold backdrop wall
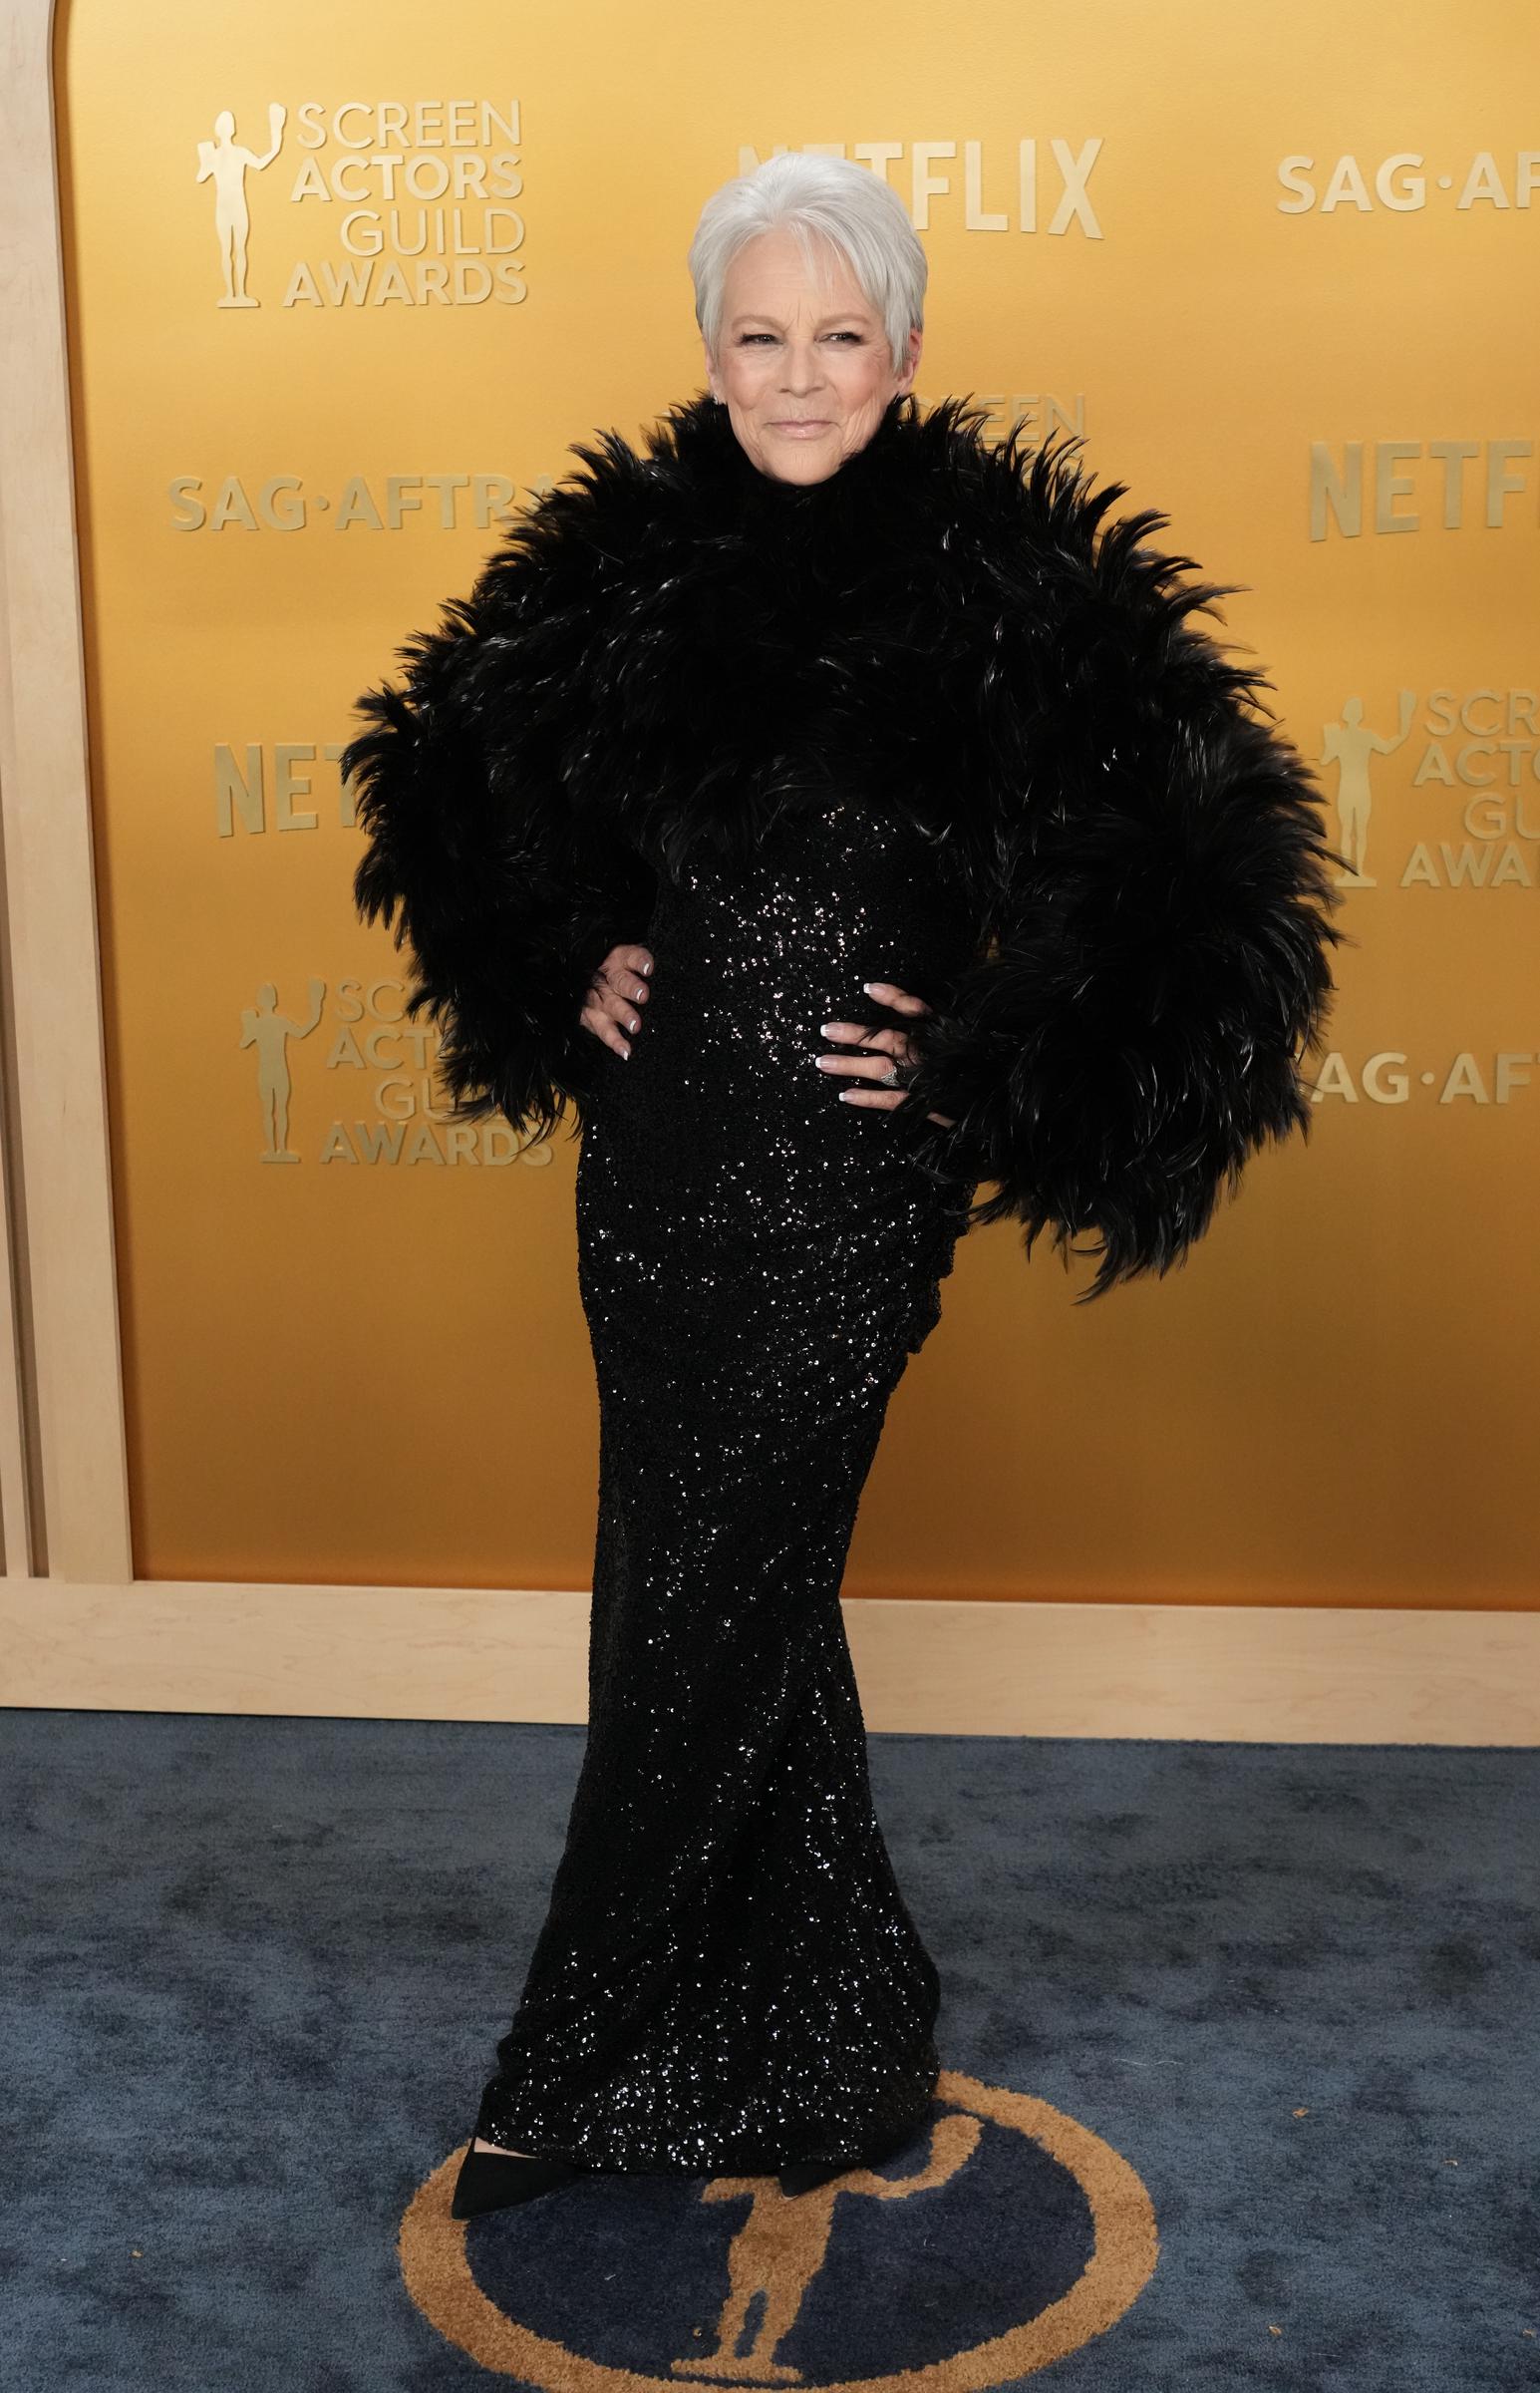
(1278, 265)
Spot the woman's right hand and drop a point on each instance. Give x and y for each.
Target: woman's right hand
(614, 993)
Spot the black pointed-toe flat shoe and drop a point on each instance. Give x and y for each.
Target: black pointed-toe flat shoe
(800, 2176)
(496, 2181)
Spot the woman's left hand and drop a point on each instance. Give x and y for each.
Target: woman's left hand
(881, 1049)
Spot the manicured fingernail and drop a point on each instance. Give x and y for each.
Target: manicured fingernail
(826, 1029)
(845, 1095)
(641, 992)
(870, 986)
(633, 1024)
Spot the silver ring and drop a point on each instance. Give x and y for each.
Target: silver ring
(890, 1077)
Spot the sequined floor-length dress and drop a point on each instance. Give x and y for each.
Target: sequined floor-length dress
(728, 1978)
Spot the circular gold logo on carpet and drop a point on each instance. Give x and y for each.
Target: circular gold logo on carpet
(752, 2268)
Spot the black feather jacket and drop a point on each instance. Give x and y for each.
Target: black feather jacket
(670, 648)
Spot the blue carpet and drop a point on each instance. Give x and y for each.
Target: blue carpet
(254, 1970)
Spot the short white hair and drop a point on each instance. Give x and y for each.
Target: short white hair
(832, 198)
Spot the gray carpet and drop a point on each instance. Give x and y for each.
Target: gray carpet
(254, 1970)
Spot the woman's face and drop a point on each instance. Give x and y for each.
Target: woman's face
(804, 364)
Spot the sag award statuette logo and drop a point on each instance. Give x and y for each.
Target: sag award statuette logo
(1352, 745)
(401, 1116)
(269, 1031)
(224, 160)
(1023, 2234)
(382, 202)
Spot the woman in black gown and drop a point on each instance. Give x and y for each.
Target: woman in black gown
(820, 814)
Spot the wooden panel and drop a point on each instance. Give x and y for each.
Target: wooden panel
(1239, 1674)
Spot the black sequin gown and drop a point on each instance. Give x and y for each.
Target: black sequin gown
(728, 1978)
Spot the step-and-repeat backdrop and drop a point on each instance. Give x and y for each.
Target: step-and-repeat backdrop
(344, 284)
